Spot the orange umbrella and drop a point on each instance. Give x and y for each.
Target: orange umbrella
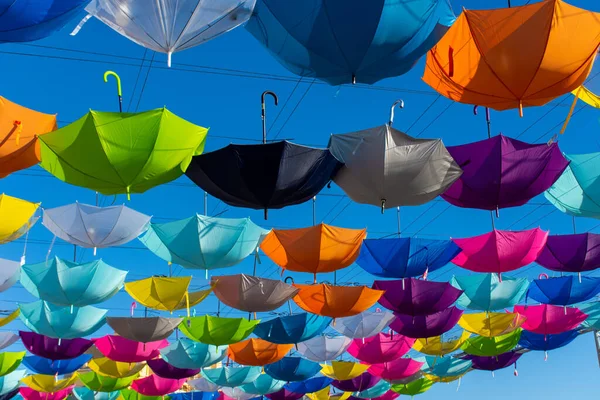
(319, 248)
(514, 57)
(336, 301)
(257, 352)
(19, 128)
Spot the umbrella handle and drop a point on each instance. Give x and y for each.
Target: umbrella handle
(290, 278)
(400, 104)
(263, 115)
(543, 276)
(119, 91)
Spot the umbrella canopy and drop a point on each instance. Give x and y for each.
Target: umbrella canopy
(165, 370)
(124, 153)
(252, 293)
(45, 366)
(11, 394)
(48, 383)
(101, 383)
(571, 253)
(408, 172)
(309, 385)
(193, 396)
(129, 394)
(10, 361)
(257, 352)
(486, 292)
(10, 272)
(83, 393)
(292, 328)
(62, 322)
(147, 329)
(316, 249)
(425, 326)
(547, 319)
(7, 339)
(324, 348)
(115, 369)
(360, 383)
(564, 290)
(292, 369)
(502, 172)
(17, 216)
(118, 348)
(263, 385)
(217, 331)
(203, 385)
(349, 42)
(10, 382)
(536, 341)
(343, 370)
(500, 251)
(284, 394)
(54, 349)
(494, 363)
(413, 388)
(435, 346)
(31, 394)
(203, 242)
(416, 297)
(185, 353)
(379, 389)
(236, 393)
(399, 368)
(363, 325)
(10, 317)
(335, 301)
(382, 347)
(491, 346)
(491, 324)
(154, 385)
(167, 294)
(593, 315)
(66, 283)
(446, 367)
(481, 59)
(231, 376)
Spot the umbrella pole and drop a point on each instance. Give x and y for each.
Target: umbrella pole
(314, 210)
(119, 91)
(574, 228)
(398, 218)
(74, 253)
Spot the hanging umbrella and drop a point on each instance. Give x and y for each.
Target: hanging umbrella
(124, 153)
(115, 369)
(388, 395)
(193, 396)
(252, 293)
(187, 354)
(236, 394)
(129, 394)
(324, 348)
(405, 257)
(10, 272)
(257, 352)
(10, 317)
(501, 172)
(309, 385)
(500, 251)
(382, 347)
(48, 383)
(62, 322)
(445, 379)
(571, 253)
(545, 343)
(10, 382)
(203, 385)
(380, 389)
(494, 363)
(491, 346)
(54, 349)
(564, 290)
(593, 315)
(486, 292)
(217, 331)
(167, 294)
(17, 216)
(425, 326)
(163, 369)
(413, 388)
(154, 385)
(416, 297)
(491, 324)
(547, 319)
(399, 368)
(118, 348)
(292, 369)
(325, 394)
(284, 394)
(231, 376)
(101, 383)
(446, 367)
(147, 329)
(202, 242)
(83, 393)
(343, 370)
(30, 394)
(292, 328)
(481, 59)
(66, 283)
(435, 346)
(10, 361)
(335, 301)
(95, 227)
(263, 385)
(11, 394)
(45, 366)
(7, 339)
(365, 324)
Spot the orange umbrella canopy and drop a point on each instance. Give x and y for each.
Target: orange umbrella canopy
(319, 248)
(19, 128)
(514, 57)
(257, 352)
(336, 301)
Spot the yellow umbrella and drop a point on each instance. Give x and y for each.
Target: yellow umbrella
(167, 294)
(16, 217)
(107, 367)
(343, 370)
(491, 324)
(444, 379)
(434, 346)
(10, 317)
(324, 394)
(47, 383)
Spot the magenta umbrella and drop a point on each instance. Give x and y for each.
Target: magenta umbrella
(394, 370)
(380, 348)
(165, 370)
(389, 395)
(495, 362)
(31, 394)
(362, 382)
(416, 297)
(546, 319)
(120, 349)
(54, 349)
(571, 253)
(154, 385)
(284, 394)
(424, 326)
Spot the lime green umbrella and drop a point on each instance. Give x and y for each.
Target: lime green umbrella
(217, 331)
(413, 388)
(491, 346)
(102, 383)
(9, 361)
(129, 394)
(122, 153)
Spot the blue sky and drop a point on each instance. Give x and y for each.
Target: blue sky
(218, 85)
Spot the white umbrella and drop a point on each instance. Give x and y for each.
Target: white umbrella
(324, 348)
(10, 271)
(365, 324)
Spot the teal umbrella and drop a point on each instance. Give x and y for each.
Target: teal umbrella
(486, 292)
(231, 376)
(188, 354)
(593, 315)
(83, 393)
(10, 382)
(445, 367)
(263, 385)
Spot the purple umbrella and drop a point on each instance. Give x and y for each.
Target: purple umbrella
(416, 297)
(362, 382)
(284, 394)
(571, 253)
(502, 172)
(495, 362)
(54, 349)
(424, 326)
(165, 370)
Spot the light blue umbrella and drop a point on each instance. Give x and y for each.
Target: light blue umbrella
(45, 366)
(263, 385)
(485, 292)
(11, 381)
(231, 376)
(564, 290)
(379, 389)
(10, 271)
(61, 322)
(65, 283)
(593, 315)
(292, 328)
(444, 367)
(188, 354)
(83, 393)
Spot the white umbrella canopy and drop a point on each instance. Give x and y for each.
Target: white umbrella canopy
(10, 271)
(324, 348)
(7, 338)
(365, 324)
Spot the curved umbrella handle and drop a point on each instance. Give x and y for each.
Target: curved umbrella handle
(119, 91)
(263, 112)
(133, 307)
(543, 276)
(400, 104)
(290, 278)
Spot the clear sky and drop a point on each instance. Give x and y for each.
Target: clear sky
(218, 85)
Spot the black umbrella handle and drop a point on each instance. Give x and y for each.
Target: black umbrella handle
(263, 114)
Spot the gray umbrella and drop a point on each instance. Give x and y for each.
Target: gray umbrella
(143, 330)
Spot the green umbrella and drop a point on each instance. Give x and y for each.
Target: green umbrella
(9, 361)
(216, 330)
(413, 388)
(102, 383)
(491, 346)
(129, 394)
(122, 153)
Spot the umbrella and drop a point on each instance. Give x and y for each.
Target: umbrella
(316, 249)
(54, 349)
(17, 216)
(292, 369)
(481, 59)
(501, 172)
(231, 376)
(343, 370)
(405, 257)
(571, 253)
(7, 339)
(349, 42)
(284, 394)
(494, 363)
(413, 388)
(564, 290)
(593, 315)
(435, 346)
(61, 322)
(491, 324)
(101, 383)
(129, 394)
(10, 361)
(147, 329)
(425, 326)
(416, 297)
(165, 370)
(185, 353)
(324, 348)
(548, 320)
(545, 343)
(236, 394)
(446, 367)
(122, 153)
(115, 369)
(48, 383)
(380, 389)
(95, 227)
(11, 394)
(292, 328)
(217, 331)
(193, 396)
(252, 293)
(118, 348)
(380, 348)
(263, 385)
(203, 385)
(66, 283)
(309, 385)
(486, 292)
(203, 242)
(257, 352)
(491, 346)
(10, 272)
(154, 385)
(335, 301)
(500, 251)
(365, 324)
(325, 394)
(30, 394)
(83, 393)
(45, 366)
(10, 382)
(10, 317)
(167, 294)
(399, 368)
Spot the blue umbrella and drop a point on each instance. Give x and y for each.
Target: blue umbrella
(10, 382)
(231, 376)
(539, 342)
(292, 328)
(195, 396)
(83, 393)
(309, 385)
(563, 291)
(188, 354)
(293, 369)
(405, 257)
(45, 366)
(263, 385)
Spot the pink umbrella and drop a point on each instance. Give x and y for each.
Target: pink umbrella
(546, 319)
(389, 395)
(380, 348)
(394, 370)
(30, 394)
(120, 349)
(154, 385)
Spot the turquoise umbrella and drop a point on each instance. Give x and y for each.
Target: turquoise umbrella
(445, 367)
(231, 376)
(263, 385)
(379, 389)
(292, 329)
(10, 382)
(188, 354)
(486, 292)
(83, 393)
(593, 315)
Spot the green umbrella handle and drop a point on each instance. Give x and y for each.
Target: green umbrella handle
(119, 91)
